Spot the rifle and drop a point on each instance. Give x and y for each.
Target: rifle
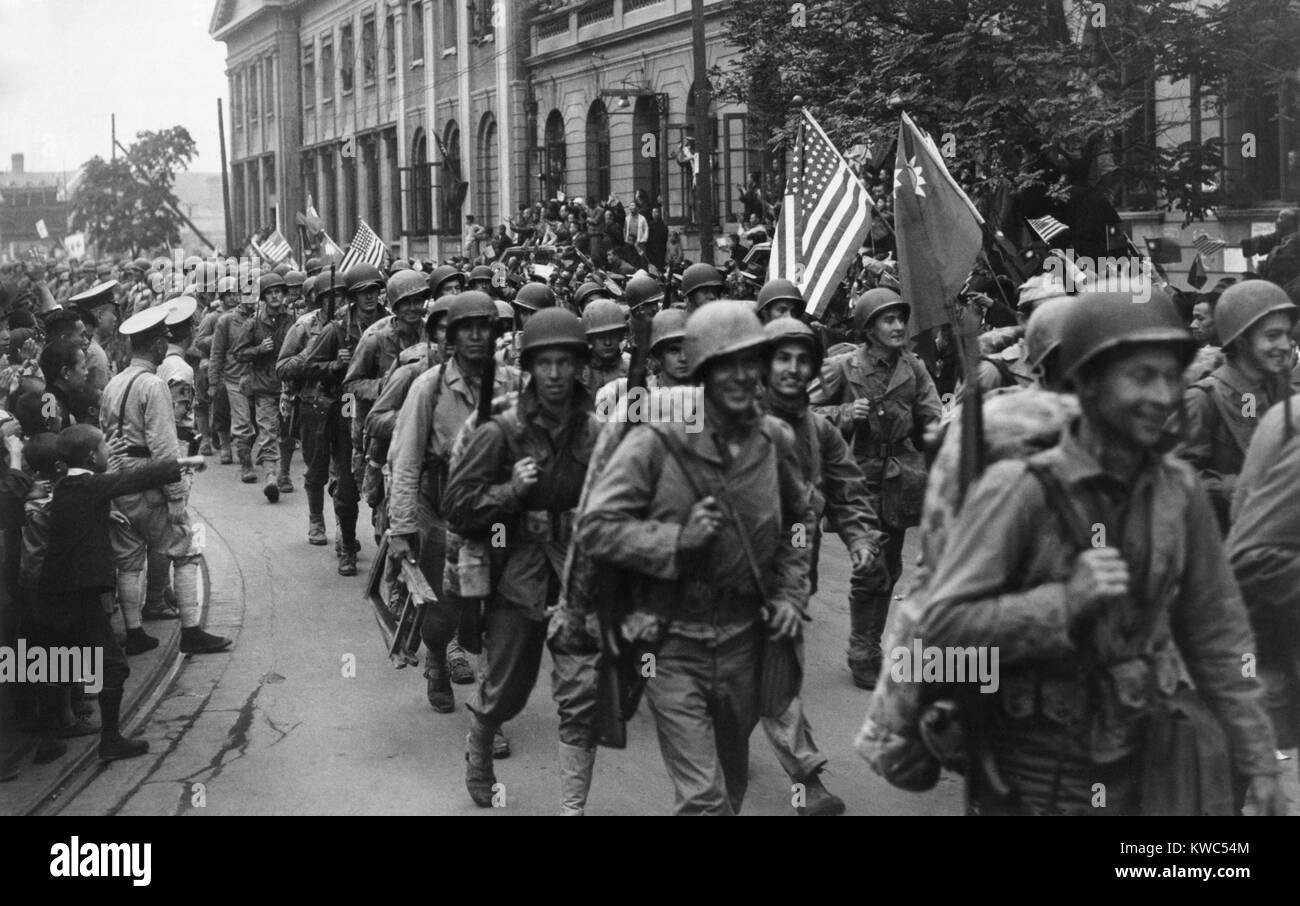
(470, 628)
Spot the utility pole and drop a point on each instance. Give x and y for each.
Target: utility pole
(175, 209)
(703, 135)
(113, 129)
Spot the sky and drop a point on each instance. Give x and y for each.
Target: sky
(66, 65)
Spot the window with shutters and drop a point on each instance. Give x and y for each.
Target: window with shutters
(327, 69)
(347, 59)
(308, 76)
(390, 46)
(417, 33)
(598, 151)
(369, 52)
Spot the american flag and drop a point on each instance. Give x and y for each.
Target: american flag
(825, 217)
(1047, 227)
(275, 249)
(1207, 246)
(366, 248)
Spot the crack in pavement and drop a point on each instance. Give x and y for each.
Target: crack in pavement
(236, 738)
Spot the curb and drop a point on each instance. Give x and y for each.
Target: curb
(141, 697)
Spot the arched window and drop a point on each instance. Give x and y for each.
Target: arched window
(647, 140)
(687, 191)
(454, 186)
(555, 154)
(598, 151)
(487, 191)
(421, 203)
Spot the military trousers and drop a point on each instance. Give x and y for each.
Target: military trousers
(241, 422)
(704, 699)
(870, 595)
(265, 412)
(512, 656)
(1269, 579)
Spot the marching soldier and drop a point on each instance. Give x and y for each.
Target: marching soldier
(227, 371)
(213, 411)
(137, 406)
(882, 399)
(523, 470)
(446, 280)
(779, 299)
(439, 402)
(703, 521)
(531, 298)
(325, 364)
(257, 346)
(701, 283)
(840, 491)
(311, 409)
(1092, 638)
(1254, 319)
(606, 328)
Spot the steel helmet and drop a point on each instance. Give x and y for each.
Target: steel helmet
(642, 290)
(669, 324)
(700, 275)
(787, 328)
(586, 291)
(363, 276)
(406, 286)
(777, 290)
(399, 264)
(441, 305)
(330, 282)
(282, 268)
(1099, 322)
(482, 272)
(603, 315)
(1043, 329)
(227, 285)
(534, 297)
(140, 265)
(1243, 304)
(313, 266)
(268, 281)
(504, 311)
(309, 287)
(720, 329)
(295, 278)
(873, 302)
(442, 274)
(552, 327)
(470, 304)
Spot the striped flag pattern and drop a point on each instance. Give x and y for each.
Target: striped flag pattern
(366, 248)
(275, 249)
(825, 217)
(1047, 227)
(1207, 246)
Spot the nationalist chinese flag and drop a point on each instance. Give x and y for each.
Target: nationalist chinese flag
(938, 229)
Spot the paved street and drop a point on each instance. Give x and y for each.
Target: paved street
(274, 727)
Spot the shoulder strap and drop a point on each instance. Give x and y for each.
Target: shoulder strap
(1059, 501)
(121, 409)
(508, 422)
(1008, 379)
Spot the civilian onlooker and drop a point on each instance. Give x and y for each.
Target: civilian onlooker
(474, 236)
(656, 246)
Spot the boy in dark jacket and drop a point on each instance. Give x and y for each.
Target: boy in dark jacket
(79, 567)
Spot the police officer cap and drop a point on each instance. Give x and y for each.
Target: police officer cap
(146, 320)
(97, 295)
(180, 310)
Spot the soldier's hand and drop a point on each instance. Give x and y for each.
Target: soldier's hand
(705, 519)
(345, 355)
(862, 558)
(1099, 574)
(861, 409)
(176, 511)
(197, 463)
(404, 547)
(526, 475)
(783, 621)
(267, 345)
(1266, 793)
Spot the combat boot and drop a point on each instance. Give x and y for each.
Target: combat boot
(205, 448)
(270, 488)
(227, 457)
(282, 481)
(576, 763)
(818, 800)
(438, 686)
(247, 474)
(346, 551)
(867, 616)
(316, 529)
(479, 776)
(462, 671)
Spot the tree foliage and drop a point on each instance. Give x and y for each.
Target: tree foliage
(1030, 94)
(126, 206)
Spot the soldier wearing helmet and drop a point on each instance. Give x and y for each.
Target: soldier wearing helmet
(882, 399)
(213, 409)
(667, 361)
(1091, 625)
(227, 372)
(258, 347)
(446, 280)
(652, 511)
(701, 283)
(439, 401)
(326, 368)
(606, 328)
(779, 299)
(324, 294)
(530, 299)
(1254, 321)
(480, 278)
(523, 469)
(295, 290)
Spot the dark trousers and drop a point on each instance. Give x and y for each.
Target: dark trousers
(869, 599)
(221, 411)
(286, 444)
(441, 618)
(78, 618)
(512, 656)
(330, 442)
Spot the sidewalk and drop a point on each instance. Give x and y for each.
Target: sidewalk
(151, 673)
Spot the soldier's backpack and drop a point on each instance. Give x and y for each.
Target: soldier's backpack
(912, 730)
